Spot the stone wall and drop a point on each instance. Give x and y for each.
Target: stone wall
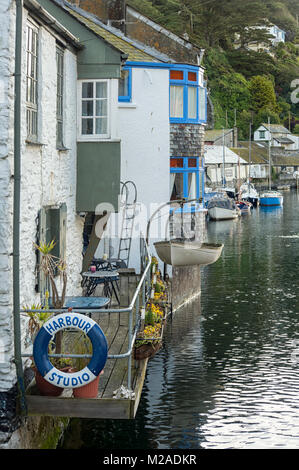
(186, 140)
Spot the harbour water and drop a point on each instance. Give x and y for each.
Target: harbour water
(227, 376)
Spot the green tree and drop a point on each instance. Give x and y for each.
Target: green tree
(262, 94)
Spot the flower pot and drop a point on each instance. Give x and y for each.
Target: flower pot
(46, 388)
(146, 351)
(89, 390)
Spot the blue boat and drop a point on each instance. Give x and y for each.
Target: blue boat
(271, 198)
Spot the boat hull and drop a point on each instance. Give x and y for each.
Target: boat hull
(188, 254)
(271, 201)
(220, 213)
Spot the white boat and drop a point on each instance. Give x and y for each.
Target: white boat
(284, 187)
(222, 208)
(183, 253)
(249, 193)
(271, 198)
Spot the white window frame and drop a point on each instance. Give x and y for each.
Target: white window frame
(93, 137)
(32, 107)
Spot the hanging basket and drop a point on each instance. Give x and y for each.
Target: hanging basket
(146, 351)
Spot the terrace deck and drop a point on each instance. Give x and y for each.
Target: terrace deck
(105, 406)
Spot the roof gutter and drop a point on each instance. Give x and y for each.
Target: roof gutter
(16, 206)
(49, 20)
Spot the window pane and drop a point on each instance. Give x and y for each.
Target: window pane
(176, 163)
(176, 75)
(192, 76)
(178, 187)
(101, 126)
(202, 104)
(176, 101)
(101, 108)
(87, 108)
(101, 90)
(123, 85)
(87, 90)
(192, 102)
(191, 185)
(87, 126)
(192, 162)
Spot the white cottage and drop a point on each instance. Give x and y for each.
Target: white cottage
(278, 135)
(43, 53)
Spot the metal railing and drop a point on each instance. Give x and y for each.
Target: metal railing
(141, 293)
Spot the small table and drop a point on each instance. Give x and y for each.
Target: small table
(102, 276)
(82, 303)
(86, 302)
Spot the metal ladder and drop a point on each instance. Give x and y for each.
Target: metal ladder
(128, 206)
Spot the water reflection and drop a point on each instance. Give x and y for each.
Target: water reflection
(226, 376)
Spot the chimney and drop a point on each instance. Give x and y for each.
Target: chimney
(111, 12)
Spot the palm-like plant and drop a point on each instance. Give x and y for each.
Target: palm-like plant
(50, 265)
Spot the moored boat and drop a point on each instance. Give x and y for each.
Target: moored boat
(222, 208)
(249, 193)
(271, 198)
(183, 253)
(244, 206)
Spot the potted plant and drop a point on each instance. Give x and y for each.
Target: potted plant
(36, 321)
(82, 345)
(51, 266)
(148, 341)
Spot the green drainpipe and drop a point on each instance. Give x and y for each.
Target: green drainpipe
(16, 207)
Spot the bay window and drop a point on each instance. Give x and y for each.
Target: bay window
(94, 109)
(186, 178)
(187, 98)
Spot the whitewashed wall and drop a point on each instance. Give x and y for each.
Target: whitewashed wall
(48, 177)
(143, 127)
(7, 15)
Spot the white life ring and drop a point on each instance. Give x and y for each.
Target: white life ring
(99, 347)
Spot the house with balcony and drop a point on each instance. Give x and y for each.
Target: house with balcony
(161, 111)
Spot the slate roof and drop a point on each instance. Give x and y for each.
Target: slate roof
(259, 153)
(214, 155)
(276, 128)
(214, 134)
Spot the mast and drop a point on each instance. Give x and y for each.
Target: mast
(223, 165)
(269, 153)
(250, 124)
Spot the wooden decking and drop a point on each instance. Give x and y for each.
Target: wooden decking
(115, 327)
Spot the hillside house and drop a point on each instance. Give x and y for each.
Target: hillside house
(279, 136)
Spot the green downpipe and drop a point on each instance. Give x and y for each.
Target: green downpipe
(16, 207)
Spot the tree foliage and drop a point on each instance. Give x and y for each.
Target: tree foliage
(225, 28)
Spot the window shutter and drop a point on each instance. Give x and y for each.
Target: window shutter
(62, 230)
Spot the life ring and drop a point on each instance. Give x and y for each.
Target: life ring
(99, 347)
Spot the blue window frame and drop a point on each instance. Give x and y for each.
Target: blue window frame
(125, 85)
(186, 177)
(188, 101)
